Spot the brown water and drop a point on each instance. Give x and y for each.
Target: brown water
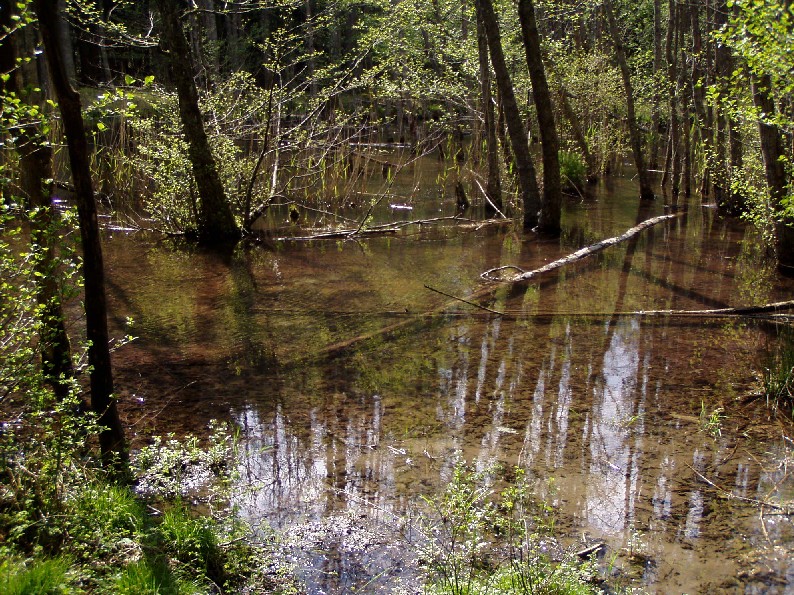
(602, 407)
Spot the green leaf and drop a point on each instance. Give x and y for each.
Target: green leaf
(100, 126)
(129, 79)
(148, 80)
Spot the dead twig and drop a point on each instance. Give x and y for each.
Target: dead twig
(786, 510)
(460, 299)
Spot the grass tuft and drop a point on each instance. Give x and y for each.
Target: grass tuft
(36, 577)
(778, 377)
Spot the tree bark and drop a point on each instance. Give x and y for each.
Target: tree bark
(527, 180)
(699, 98)
(551, 203)
(111, 437)
(216, 222)
(579, 254)
(35, 165)
(773, 151)
(671, 54)
(493, 185)
(657, 98)
(646, 192)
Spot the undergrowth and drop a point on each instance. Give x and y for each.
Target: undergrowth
(482, 540)
(98, 536)
(778, 376)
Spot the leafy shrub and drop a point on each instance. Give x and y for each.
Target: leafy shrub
(483, 541)
(573, 170)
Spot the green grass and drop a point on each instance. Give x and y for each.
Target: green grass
(35, 577)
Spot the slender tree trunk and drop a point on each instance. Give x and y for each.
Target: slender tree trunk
(35, 164)
(657, 96)
(65, 38)
(527, 180)
(216, 222)
(493, 185)
(646, 191)
(551, 203)
(310, 48)
(723, 67)
(672, 98)
(111, 437)
(773, 151)
(209, 25)
(699, 98)
(578, 134)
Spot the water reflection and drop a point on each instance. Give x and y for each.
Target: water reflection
(571, 386)
(609, 431)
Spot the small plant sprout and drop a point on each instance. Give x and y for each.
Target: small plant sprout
(711, 421)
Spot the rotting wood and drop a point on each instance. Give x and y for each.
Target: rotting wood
(578, 255)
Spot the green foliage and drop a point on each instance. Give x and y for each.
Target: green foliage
(596, 94)
(778, 376)
(711, 420)
(484, 541)
(35, 577)
(572, 170)
(191, 540)
(174, 468)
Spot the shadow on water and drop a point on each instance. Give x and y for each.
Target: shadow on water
(604, 408)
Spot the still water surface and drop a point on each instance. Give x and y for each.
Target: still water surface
(602, 407)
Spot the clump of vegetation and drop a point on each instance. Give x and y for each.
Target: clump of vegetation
(480, 540)
(711, 420)
(573, 170)
(778, 376)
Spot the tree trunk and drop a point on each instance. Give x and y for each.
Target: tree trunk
(699, 98)
(646, 192)
(111, 437)
(216, 222)
(493, 185)
(527, 181)
(671, 53)
(773, 152)
(65, 39)
(35, 165)
(657, 96)
(578, 135)
(551, 204)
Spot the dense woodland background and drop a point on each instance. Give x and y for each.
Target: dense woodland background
(289, 95)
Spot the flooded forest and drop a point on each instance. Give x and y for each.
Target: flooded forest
(400, 297)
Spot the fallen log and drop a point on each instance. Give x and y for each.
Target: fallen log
(391, 228)
(413, 318)
(578, 255)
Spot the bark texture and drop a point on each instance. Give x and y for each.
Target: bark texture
(111, 438)
(493, 185)
(527, 180)
(216, 222)
(551, 203)
(773, 152)
(646, 192)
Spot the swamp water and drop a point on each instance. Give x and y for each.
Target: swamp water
(636, 429)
